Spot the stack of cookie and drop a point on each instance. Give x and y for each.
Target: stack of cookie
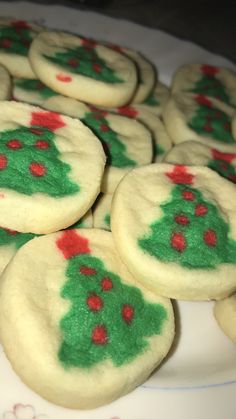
(88, 311)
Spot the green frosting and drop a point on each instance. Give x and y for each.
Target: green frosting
(11, 237)
(107, 220)
(191, 232)
(151, 100)
(107, 319)
(15, 39)
(210, 86)
(224, 168)
(29, 163)
(84, 60)
(158, 150)
(115, 150)
(35, 86)
(213, 123)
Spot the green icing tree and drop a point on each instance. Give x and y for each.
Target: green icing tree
(84, 60)
(191, 232)
(115, 150)
(16, 38)
(210, 85)
(12, 237)
(211, 122)
(35, 86)
(107, 319)
(29, 163)
(158, 150)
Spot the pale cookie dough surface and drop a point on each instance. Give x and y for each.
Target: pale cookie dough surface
(15, 39)
(233, 127)
(83, 69)
(127, 143)
(51, 167)
(102, 212)
(225, 314)
(31, 91)
(81, 320)
(203, 79)
(218, 157)
(195, 117)
(5, 84)
(178, 232)
(157, 99)
(161, 139)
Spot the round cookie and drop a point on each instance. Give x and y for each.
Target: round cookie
(127, 143)
(194, 153)
(5, 84)
(146, 72)
(51, 167)
(91, 323)
(161, 140)
(225, 314)
(31, 91)
(157, 99)
(15, 39)
(177, 234)
(102, 212)
(204, 79)
(83, 69)
(189, 117)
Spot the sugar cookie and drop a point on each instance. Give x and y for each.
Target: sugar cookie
(102, 212)
(83, 69)
(126, 143)
(90, 323)
(177, 234)
(157, 99)
(189, 117)
(51, 168)
(15, 39)
(204, 79)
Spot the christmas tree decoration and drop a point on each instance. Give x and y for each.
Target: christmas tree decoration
(31, 91)
(83, 69)
(181, 226)
(39, 169)
(196, 117)
(126, 143)
(216, 83)
(93, 321)
(15, 39)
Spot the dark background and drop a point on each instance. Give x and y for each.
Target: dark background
(210, 24)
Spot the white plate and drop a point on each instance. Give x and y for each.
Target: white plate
(198, 380)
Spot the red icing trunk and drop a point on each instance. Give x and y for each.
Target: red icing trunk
(46, 119)
(71, 244)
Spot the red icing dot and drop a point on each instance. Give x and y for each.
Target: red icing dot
(99, 335)
(208, 128)
(182, 219)
(42, 144)
(223, 166)
(188, 195)
(180, 175)
(73, 62)
(201, 210)
(127, 313)
(210, 237)
(20, 24)
(104, 128)
(227, 127)
(11, 232)
(89, 43)
(86, 270)
(94, 302)
(6, 43)
(3, 161)
(218, 155)
(178, 242)
(97, 68)
(14, 144)
(203, 100)
(37, 169)
(107, 284)
(64, 78)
